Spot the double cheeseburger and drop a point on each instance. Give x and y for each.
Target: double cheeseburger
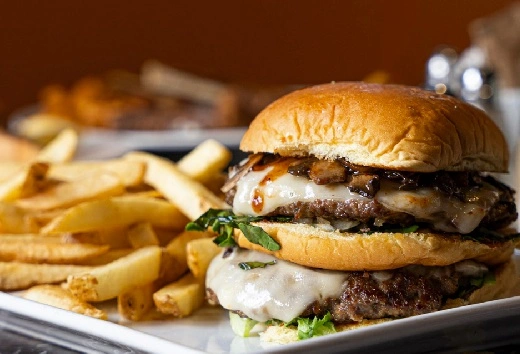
(360, 203)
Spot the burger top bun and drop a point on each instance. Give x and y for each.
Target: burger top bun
(385, 126)
(316, 248)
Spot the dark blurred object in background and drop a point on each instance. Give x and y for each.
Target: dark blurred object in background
(498, 35)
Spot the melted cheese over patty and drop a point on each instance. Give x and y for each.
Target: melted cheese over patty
(260, 194)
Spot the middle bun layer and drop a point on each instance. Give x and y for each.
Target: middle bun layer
(310, 246)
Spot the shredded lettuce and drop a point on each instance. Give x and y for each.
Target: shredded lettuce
(308, 328)
(476, 283)
(242, 326)
(313, 326)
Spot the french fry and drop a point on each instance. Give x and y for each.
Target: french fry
(114, 237)
(36, 218)
(141, 235)
(14, 220)
(117, 211)
(130, 173)
(146, 194)
(56, 296)
(135, 304)
(165, 235)
(109, 229)
(61, 149)
(170, 269)
(43, 127)
(107, 282)
(18, 276)
(29, 178)
(177, 246)
(92, 186)
(205, 161)
(200, 252)
(9, 169)
(106, 257)
(191, 197)
(46, 251)
(24, 183)
(174, 257)
(33, 238)
(180, 298)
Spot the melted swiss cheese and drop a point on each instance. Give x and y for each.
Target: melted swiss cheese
(258, 194)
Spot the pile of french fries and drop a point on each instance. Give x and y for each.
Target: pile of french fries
(76, 233)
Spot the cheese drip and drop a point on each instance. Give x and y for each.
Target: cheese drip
(283, 190)
(284, 290)
(281, 291)
(258, 193)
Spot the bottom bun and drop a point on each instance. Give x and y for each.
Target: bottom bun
(507, 284)
(313, 247)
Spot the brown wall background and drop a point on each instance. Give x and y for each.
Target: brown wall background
(267, 41)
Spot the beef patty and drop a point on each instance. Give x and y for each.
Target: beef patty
(403, 292)
(366, 180)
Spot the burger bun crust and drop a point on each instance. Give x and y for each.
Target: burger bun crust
(313, 247)
(384, 126)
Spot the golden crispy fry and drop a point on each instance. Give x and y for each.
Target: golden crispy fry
(107, 282)
(24, 183)
(42, 128)
(205, 161)
(135, 304)
(117, 211)
(29, 179)
(216, 183)
(114, 237)
(170, 270)
(100, 225)
(14, 220)
(17, 276)
(46, 250)
(191, 197)
(55, 295)
(33, 238)
(141, 235)
(61, 149)
(89, 187)
(130, 173)
(200, 253)
(38, 218)
(107, 257)
(165, 235)
(180, 298)
(174, 257)
(10, 168)
(145, 194)
(177, 246)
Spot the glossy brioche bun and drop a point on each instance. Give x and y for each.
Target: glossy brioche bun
(506, 285)
(313, 247)
(386, 126)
